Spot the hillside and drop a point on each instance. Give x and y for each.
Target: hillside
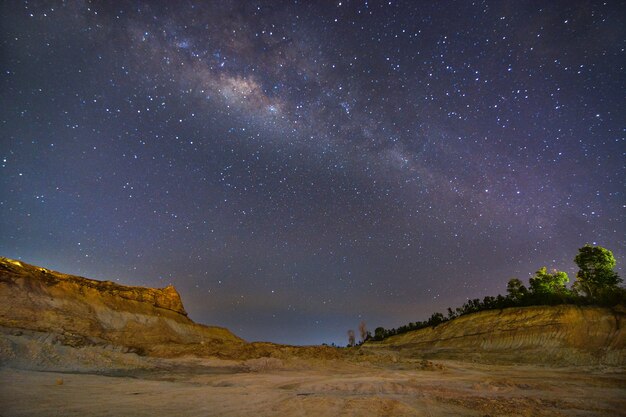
(78, 312)
(556, 335)
(45, 315)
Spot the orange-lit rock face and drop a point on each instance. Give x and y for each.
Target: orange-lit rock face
(75, 311)
(89, 311)
(41, 280)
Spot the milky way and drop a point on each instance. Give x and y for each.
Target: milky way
(294, 168)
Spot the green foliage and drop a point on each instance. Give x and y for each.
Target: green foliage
(596, 279)
(610, 296)
(596, 273)
(546, 283)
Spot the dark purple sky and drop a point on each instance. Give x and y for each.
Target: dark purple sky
(296, 167)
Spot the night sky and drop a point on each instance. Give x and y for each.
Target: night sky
(296, 167)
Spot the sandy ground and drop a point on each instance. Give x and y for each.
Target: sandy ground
(270, 387)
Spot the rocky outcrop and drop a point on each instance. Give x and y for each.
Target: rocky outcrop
(79, 312)
(565, 334)
(50, 320)
(168, 298)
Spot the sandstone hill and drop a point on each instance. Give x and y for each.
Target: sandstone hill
(51, 320)
(81, 312)
(551, 335)
(58, 321)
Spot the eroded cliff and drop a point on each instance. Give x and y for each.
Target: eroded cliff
(565, 334)
(84, 312)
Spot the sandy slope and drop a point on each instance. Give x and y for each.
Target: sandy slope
(71, 346)
(549, 335)
(271, 387)
(85, 312)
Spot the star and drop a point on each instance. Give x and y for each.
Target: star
(311, 164)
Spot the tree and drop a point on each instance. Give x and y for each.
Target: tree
(596, 270)
(363, 331)
(516, 290)
(379, 333)
(351, 338)
(548, 283)
(489, 302)
(436, 319)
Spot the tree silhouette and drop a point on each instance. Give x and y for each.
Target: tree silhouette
(363, 331)
(596, 270)
(379, 333)
(516, 289)
(351, 338)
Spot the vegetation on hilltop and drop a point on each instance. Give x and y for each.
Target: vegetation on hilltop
(596, 284)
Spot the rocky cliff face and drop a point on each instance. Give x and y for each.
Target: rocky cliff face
(85, 312)
(41, 278)
(566, 335)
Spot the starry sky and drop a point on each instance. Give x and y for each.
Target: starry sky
(297, 167)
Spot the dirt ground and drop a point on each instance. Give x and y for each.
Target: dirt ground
(271, 387)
